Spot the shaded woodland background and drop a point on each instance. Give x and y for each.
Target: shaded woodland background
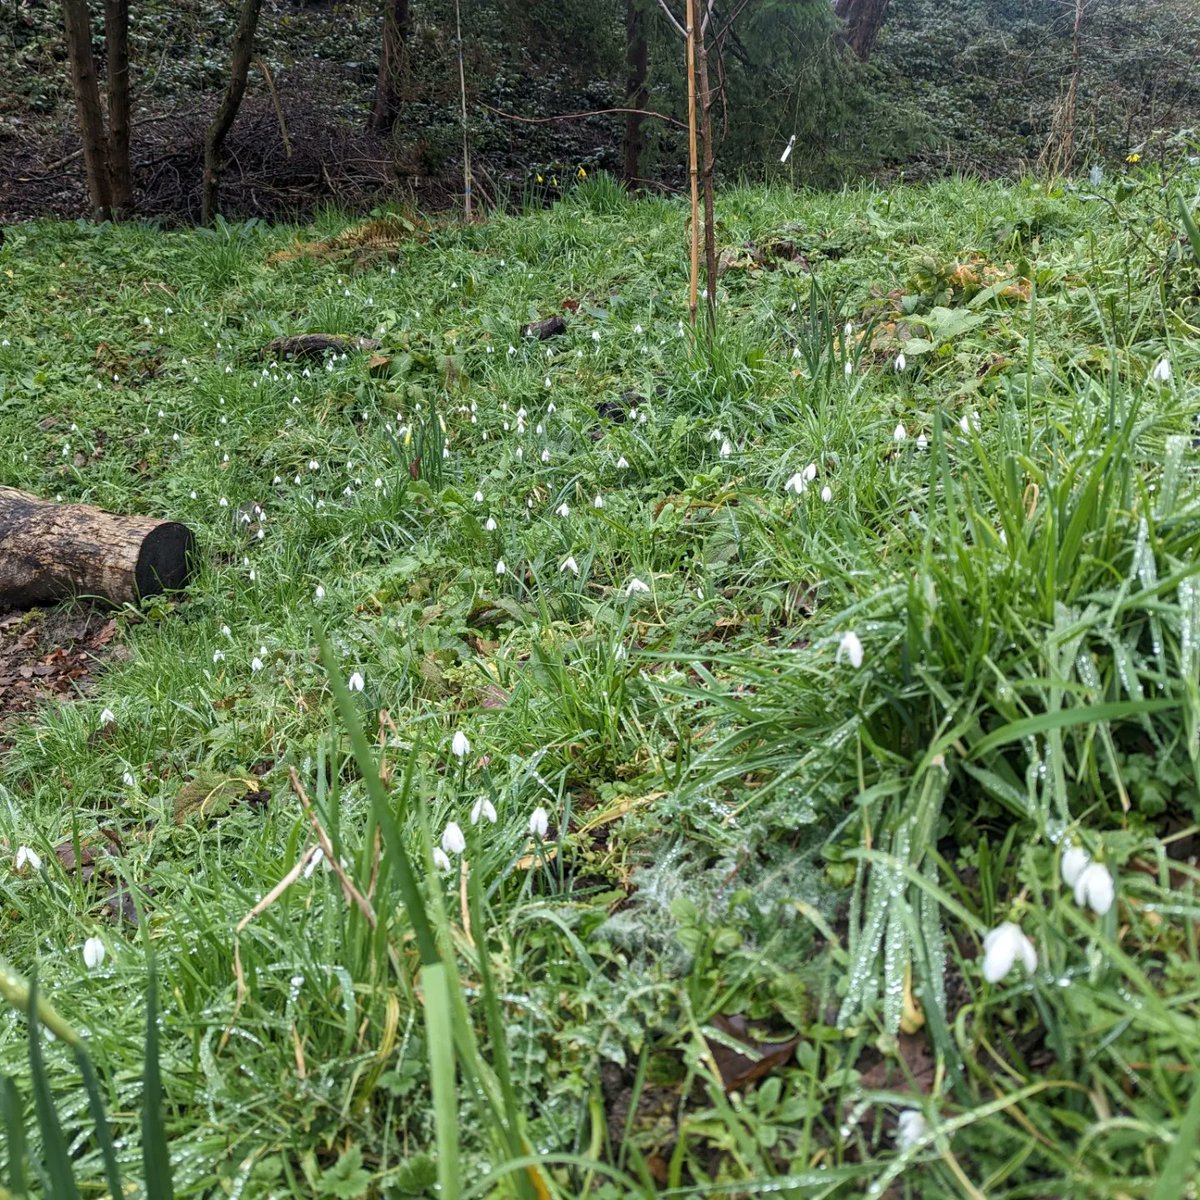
(358, 104)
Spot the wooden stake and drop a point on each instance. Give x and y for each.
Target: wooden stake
(693, 158)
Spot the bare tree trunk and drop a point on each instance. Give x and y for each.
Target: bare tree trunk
(84, 83)
(227, 111)
(116, 40)
(637, 58)
(710, 220)
(392, 65)
(864, 19)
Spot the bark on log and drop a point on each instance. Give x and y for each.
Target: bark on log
(52, 551)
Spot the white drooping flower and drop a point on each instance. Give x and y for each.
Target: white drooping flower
(901, 363)
(501, 567)
(850, 648)
(453, 841)
(1091, 882)
(796, 483)
(94, 953)
(483, 807)
(28, 857)
(539, 822)
(636, 587)
(490, 524)
(849, 368)
(319, 593)
(900, 433)
(1002, 947)
(107, 717)
(622, 463)
(256, 664)
(827, 493)
(478, 497)
(459, 744)
(726, 448)
(441, 859)
(563, 510)
(356, 683)
(598, 502)
(1162, 370)
(911, 1127)
(569, 564)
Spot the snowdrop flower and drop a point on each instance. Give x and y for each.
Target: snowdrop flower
(222, 503)
(107, 717)
(726, 448)
(490, 524)
(539, 822)
(319, 593)
(598, 502)
(1002, 947)
(900, 433)
(563, 510)
(637, 329)
(93, 953)
(851, 648)
(1091, 881)
(827, 493)
(478, 497)
(256, 664)
(900, 364)
(314, 862)
(356, 683)
(127, 779)
(635, 587)
(459, 744)
(441, 859)
(27, 857)
(911, 1127)
(545, 456)
(922, 442)
(797, 483)
(218, 656)
(483, 808)
(1162, 370)
(849, 368)
(622, 463)
(453, 841)
(569, 564)
(500, 567)
(595, 335)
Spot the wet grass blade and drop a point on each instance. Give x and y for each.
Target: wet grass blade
(14, 1135)
(104, 1136)
(60, 1178)
(156, 1157)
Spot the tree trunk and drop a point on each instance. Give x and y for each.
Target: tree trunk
(392, 65)
(710, 220)
(116, 40)
(52, 551)
(864, 19)
(85, 85)
(227, 111)
(637, 58)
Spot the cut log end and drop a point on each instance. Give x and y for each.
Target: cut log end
(164, 560)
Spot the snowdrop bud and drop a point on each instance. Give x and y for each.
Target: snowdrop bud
(453, 841)
(726, 448)
(478, 497)
(900, 433)
(28, 858)
(1002, 947)
(356, 683)
(256, 664)
(922, 442)
(849, 368)
(539, 822)
(598, 502)
(911, 1127)
(1094, 889)
(635, 587)
(459, 744)
(483, 808)
(622, 463)
(500, 567)
(563, 510)
(901, 363)
(94, 953)
(827, 493)
(127, 778)
(490, 524)
(850, 647)
(810, 472)
(569, 564)
(319, 593)
(1162, 370)
(107, 717)
(314, 862)
(440, 859)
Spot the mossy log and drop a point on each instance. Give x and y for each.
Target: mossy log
(50, 551)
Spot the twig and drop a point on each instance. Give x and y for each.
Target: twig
(262, 66)
(574, 116)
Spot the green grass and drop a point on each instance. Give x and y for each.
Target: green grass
(741, 822)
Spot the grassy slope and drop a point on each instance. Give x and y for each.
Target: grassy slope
(711, 765)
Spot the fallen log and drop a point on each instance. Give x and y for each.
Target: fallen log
(315, 345)
(53, 551)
